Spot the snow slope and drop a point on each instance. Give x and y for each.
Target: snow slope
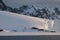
(12, 21)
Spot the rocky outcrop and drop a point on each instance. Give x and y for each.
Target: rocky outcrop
(2, 5)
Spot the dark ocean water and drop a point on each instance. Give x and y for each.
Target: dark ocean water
(41, 37)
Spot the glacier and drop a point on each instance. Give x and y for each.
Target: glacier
(23, 23)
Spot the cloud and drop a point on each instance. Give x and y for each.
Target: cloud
(17, 3)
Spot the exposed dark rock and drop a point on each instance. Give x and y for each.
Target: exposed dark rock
(2, 5)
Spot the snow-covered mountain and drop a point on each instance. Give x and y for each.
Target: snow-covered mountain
(31, 10)
(18, 22)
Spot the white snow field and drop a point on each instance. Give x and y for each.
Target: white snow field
(23, 23)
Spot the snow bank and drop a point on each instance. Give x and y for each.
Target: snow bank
(13, 21)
